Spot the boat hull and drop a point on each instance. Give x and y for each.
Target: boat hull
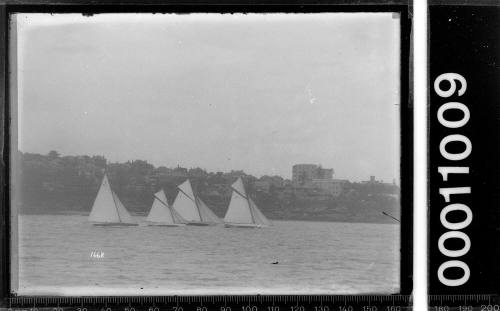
(165, 225)
(114, 224)
(248, 226)
(201, 224)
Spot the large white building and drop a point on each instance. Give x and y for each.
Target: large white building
(315, 177)
(304, 173)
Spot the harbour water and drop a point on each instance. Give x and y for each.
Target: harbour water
(66, 255)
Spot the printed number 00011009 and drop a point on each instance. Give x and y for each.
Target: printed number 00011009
(453, 227)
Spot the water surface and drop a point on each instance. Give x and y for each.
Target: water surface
(312, 257)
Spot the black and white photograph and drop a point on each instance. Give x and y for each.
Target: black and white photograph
(205, 153)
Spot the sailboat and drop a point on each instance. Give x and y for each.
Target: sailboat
(108, 210)
(162, 214)
(192, 208)
(242, 211)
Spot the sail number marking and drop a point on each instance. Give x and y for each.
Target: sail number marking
(97, 254)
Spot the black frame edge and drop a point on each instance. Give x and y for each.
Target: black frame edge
(406, 171)
(227, 6)
(4, 165)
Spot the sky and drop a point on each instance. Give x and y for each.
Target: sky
(257, 92)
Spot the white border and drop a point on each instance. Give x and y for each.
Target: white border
(420, 156)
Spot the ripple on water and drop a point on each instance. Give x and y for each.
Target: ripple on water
(318, 257)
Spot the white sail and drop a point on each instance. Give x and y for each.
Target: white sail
(122, 211)
(206, 213)
(185, 203)
(160, 211)
(239, 210)
(242, 209)
(178, 219)
(104, 209)
(259, 218)
(107, 206)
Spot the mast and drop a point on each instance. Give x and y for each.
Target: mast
(114, 201)
(160, 211)
(198, 208)
(196, 202)
(193, 200)
(159, 200)
(262, 218)
(251, 210)
(240, 210)
(105, 209)
(207, 213)
(186, 194)
(246, 198)
(173, 213)
(191, 207)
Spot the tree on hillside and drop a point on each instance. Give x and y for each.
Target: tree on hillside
(53, 154)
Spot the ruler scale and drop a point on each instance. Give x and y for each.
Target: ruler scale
(205, 303)
(446, 302)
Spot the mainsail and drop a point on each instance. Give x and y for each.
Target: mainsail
(161, 212)
(192, 208)
(242, 209)
(108, 208)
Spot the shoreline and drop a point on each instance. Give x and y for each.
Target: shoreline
(389, 222)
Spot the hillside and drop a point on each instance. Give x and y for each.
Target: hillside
(54, 184)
